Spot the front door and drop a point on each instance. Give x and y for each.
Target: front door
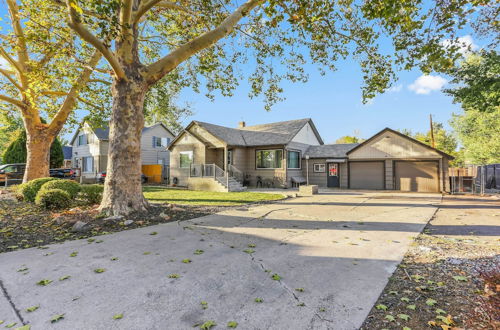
(333, 175)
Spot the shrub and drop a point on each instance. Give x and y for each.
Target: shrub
(71, 187)
(91, 193)
(29, 189)
(53, 199)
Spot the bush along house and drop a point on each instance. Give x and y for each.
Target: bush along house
(285, 154)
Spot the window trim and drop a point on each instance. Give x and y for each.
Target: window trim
(300, 160)
(320, 164)
(85, 137)
(191, 153)
(269, 168)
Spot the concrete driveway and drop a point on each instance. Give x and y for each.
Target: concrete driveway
(337, 248)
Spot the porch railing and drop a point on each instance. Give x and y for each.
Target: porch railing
(236, 173)
(215, 172)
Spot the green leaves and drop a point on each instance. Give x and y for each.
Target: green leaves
(57, 318)
(65, 277)
(276, 277)
(249, 251)
(174, 276)
(381, 307)
(44, 282)
(459, 278)
(186, 261)
(99, 270)
(153, 233)
(430, 302)
(404, 317)
(204, 304)
(390, 318)
(117, 316)
(208, 325)
(232, 324)
(32, 308)
(259, 300)
(299, 289)
(198, 252)
(74, 254)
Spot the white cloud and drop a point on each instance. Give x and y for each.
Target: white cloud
(426, 84)
(395, 89)
(465, 44)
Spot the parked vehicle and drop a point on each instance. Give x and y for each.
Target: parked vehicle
(101, 177)
(62, 173)
(12, 172)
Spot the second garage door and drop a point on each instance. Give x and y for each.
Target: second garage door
(417, 176)
(366, 175)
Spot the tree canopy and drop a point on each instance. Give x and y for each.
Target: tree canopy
(348, 139)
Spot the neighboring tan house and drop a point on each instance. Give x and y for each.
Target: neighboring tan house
(90, 148)
(211, 157)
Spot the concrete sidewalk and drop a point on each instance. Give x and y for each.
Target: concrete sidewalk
(340, 248)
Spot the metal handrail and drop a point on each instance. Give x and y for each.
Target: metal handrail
(214, 171)
(236, 173)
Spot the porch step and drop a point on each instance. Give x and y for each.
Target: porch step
(233, 184)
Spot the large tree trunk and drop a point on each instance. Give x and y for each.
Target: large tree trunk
(123, 189)
(37, 154)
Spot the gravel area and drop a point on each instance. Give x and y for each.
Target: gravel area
(450, 277)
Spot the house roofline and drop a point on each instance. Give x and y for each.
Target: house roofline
(387, 129)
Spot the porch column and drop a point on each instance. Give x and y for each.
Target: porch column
(226, 167)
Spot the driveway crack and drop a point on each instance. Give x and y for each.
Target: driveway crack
(12, 305)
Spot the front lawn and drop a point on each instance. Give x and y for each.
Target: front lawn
(191, 197)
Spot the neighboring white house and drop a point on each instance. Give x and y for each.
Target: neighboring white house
(90, 148)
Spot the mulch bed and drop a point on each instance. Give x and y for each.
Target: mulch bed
(24, 225)
(442, 283)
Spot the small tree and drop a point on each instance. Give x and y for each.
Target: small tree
(348, 139)
(16, 151)
(46, 74)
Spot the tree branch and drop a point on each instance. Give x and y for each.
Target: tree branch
(60, 118)
(8, 74)
(12, 101)
(160, 68)
(79, 28)
(125, 14)
(158, 3)
(22, 51)
(11, 61)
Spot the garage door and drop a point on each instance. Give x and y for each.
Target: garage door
(366, 175)
(417, 176)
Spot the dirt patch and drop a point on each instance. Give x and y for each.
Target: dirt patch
(450, 277)
(24, 225)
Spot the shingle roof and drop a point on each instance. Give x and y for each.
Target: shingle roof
(102, 133)
(68, 152)
(258, 135)
(330, 150)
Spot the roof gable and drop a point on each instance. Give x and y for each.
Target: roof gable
(381, 145)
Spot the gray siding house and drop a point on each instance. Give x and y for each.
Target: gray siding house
(211, 157)
(90, 148)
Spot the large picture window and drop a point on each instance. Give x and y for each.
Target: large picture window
(88, 164)
(186, 158)
(267, 159)
(293, 160)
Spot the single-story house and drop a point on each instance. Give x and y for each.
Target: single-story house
(90, 147)
(282, 154)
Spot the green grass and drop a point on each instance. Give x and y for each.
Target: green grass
(192, 197)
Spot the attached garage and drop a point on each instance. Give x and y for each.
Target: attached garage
(419, 176)
(366, 175)
(393, 161)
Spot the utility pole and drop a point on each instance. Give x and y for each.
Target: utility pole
(433, 142)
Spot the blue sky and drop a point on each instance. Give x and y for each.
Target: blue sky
(334, 103)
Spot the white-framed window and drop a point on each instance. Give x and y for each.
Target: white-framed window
(186, 158)
(293, 159)
(319, 168)
(269, 159)
(88, 164)
(83, 139)
(159, 142)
